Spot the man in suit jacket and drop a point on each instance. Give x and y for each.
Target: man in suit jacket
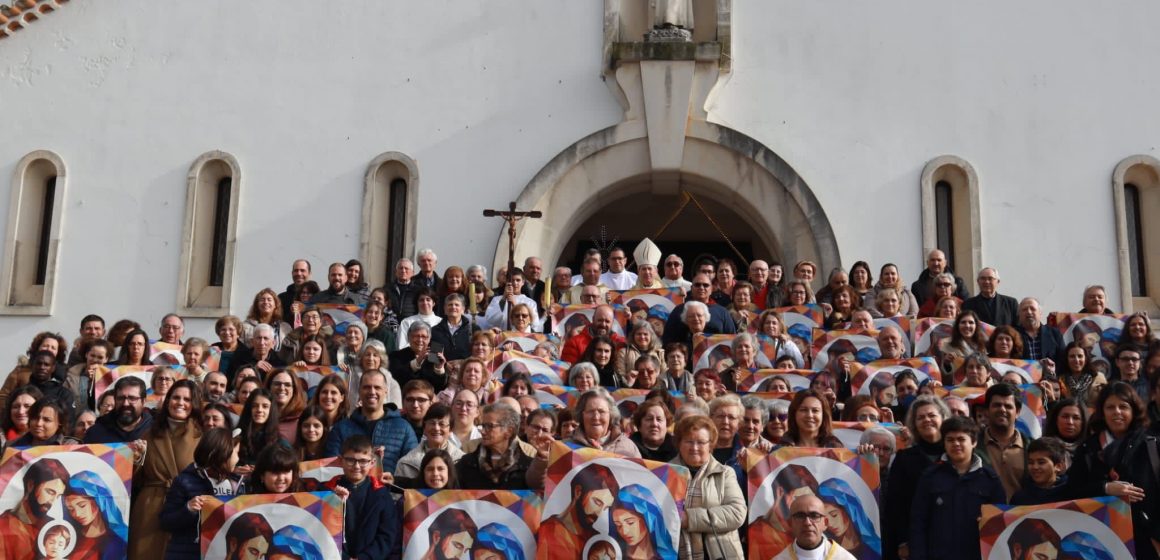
(991, 306)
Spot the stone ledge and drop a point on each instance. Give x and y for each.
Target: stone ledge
(639, 51)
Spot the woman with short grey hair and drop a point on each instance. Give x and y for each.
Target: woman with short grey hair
(499, 461)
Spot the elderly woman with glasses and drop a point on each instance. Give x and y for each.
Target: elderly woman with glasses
(499, 461)
(714, 503)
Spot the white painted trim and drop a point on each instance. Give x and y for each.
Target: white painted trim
(9, 284)
(931, 174)
(1123, 259)
(373, 233)
(190, 290)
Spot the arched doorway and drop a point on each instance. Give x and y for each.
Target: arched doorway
(686, 224)
(721, 166)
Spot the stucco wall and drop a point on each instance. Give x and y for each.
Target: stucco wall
(1042, 97)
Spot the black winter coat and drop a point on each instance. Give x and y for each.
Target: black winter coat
(471, 476)
(944, 516)
(176, 518)
(1128, 459)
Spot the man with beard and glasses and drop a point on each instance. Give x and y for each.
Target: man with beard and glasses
(593, 490)
(127, 423)
(44, 483)
(451, 536)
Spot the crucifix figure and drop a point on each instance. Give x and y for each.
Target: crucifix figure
(511, 216)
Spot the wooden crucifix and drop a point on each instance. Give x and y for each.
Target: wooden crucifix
(511, 216)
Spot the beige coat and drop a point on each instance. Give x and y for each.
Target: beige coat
(166, 456)
(714, 516)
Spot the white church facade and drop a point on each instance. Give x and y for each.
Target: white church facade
(178, 156)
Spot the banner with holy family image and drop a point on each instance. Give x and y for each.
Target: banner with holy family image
(602, 505)
(65, 501)
(1092, 528)
(847, 483)
(475, 524)
(302, 525)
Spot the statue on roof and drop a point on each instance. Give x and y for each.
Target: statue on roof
(672, 20)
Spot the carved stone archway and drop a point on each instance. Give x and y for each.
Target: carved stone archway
(718, 163)
(667, 142)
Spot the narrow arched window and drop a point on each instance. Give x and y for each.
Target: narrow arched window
(209, 235)
(1135, 240)
(390, 203)
(1136, 195)
(34, 231)
(945, 220)
(950, 215)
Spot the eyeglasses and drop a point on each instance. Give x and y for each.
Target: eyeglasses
(489, 426)
(943, 285)
(416, 400)
(797, 293)
(701, 285)
(868, 418)
(438, 424)
(127, 398)
(812, 517)
(357, 462)
(464, 404)
(521, 316)
(672, 264)
(1129, 359)
(281, 385)
(781, 417)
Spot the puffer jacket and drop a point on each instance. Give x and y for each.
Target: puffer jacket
(714, 516)
(392, 432)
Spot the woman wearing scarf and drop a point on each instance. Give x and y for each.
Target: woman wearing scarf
(923, 420)
(714, 504)
(101, 532)
(499, 461)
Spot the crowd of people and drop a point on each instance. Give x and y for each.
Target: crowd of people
(411, 401)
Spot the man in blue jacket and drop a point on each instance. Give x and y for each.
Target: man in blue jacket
(944, 519)
(390, 433)
(373, 528)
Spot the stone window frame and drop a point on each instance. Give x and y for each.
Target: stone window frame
(195, 296)
(22, 295)
(967, 219)
(1143, 172)
(376, 229)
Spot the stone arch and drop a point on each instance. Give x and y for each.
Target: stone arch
(718, 162)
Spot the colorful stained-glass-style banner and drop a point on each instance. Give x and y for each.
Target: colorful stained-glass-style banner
(1095, 528)
(66, 501)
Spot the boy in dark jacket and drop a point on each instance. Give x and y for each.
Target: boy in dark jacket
(1045, 479)
(944, 519)
(373, 528)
